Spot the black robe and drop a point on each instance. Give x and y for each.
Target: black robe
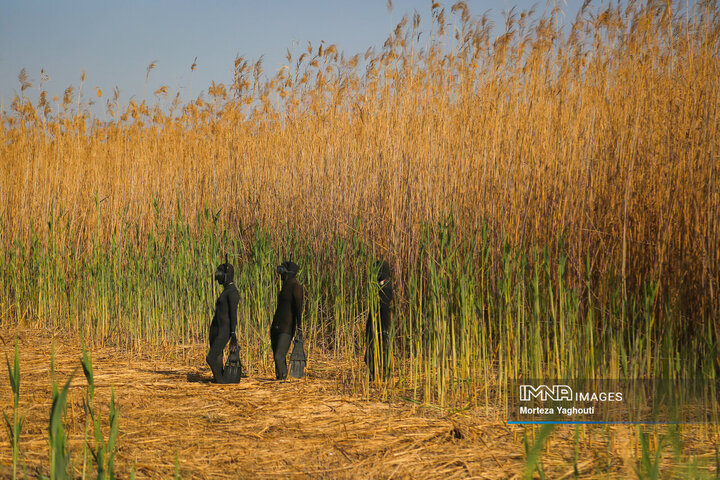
(223, 325)
(385, 301)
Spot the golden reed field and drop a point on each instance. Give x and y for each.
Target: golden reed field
(609, 134)
(548, 199)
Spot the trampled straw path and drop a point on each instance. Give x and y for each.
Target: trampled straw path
(262, 428)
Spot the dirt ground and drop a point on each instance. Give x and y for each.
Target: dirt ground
(172, 419)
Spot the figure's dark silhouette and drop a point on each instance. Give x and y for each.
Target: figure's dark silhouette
(224, 321)
(288, 317)
(381, 321)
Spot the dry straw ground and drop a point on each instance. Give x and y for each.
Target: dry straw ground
(261, 428)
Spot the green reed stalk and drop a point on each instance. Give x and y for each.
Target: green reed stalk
(59, 454)
(15, 426)
(104, 452)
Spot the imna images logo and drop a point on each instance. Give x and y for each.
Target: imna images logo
(559, 393)
(556, 393)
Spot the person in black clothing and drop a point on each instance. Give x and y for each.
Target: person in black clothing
(381, 320)
(288, 316)
(224, 322)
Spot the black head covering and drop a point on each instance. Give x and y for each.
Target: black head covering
(287, 270)
(225, 273)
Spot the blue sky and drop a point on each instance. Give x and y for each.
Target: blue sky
(114, 42)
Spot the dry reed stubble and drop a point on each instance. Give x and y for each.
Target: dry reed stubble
(263, 428)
